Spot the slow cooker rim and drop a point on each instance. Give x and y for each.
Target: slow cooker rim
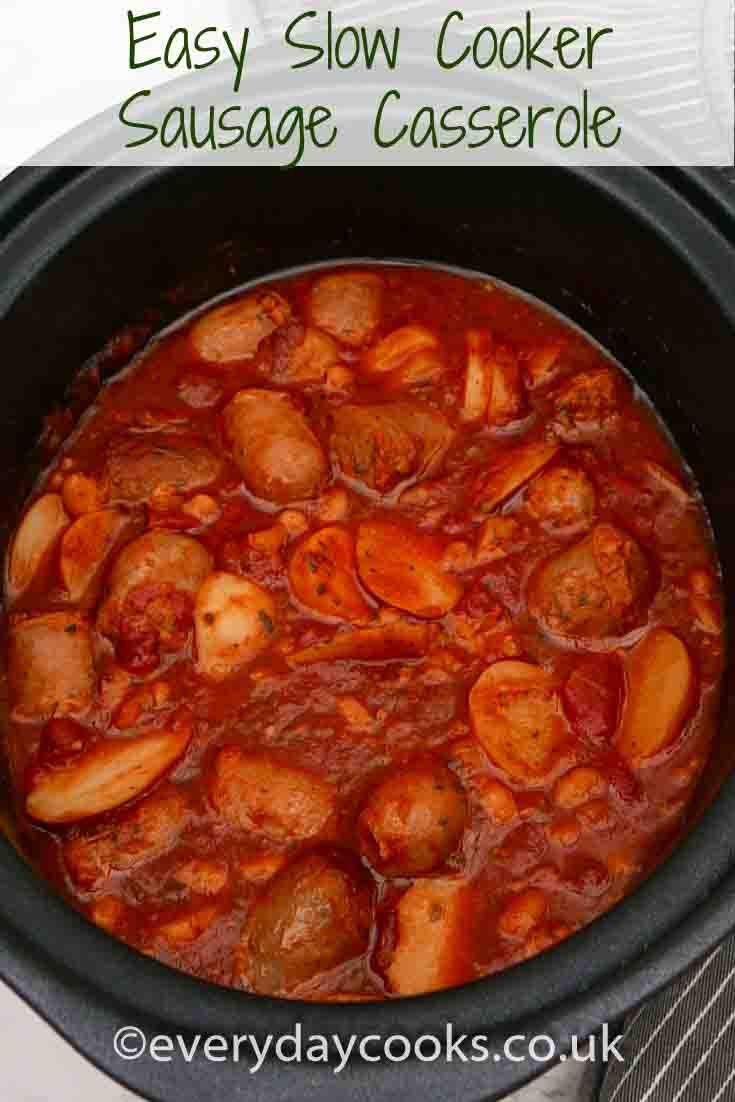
(55, 931)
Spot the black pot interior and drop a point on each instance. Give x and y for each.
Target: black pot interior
(608, 251)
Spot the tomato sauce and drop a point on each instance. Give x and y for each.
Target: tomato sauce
(364, 639)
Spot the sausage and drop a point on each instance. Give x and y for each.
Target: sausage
(136, 467)
(413, 820)
(257, 793)
(516, 715)
(562, 499)
(279, 456)
(151, 589)
(661, 693)
(86, 547)
(347, 305)
(236, 330)
(432, 942)
(587, 403)
(35, 542)
(384, 447)
(137, 835)
(322, 574)
(403, 567)
(593, 590)
(311, 917)
(50, 666)
(235, 621)
(107, 775)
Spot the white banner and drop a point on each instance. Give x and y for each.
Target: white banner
(253, 82)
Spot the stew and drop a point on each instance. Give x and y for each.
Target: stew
(362, 640)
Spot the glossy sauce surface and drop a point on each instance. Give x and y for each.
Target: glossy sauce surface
(363, 640)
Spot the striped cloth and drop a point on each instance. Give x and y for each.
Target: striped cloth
(680, 1047)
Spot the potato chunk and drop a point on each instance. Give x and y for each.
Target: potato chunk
(383, 643)
(50, 666)
(323, 576)
(85, 549)
(661, 691)
(311, 917)
(138, 835)
(407, 357)
(397, 348)
(136, 467)
(562, 499)
(280, 457)
(594, 589)
(402, 567)
(384, 447)
(236, 330)
(158, 561)
(258, 793)
(235, 621)
(516, 715)
(413, 820)
(105, 776)
(348, 306)
(35, 543)
(431, 950)
(511, 470)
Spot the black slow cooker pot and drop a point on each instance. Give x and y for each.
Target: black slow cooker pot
(643, 261)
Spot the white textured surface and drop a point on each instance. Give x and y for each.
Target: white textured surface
(38, 1066)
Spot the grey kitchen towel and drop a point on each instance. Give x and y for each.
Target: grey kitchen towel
(680, 1047)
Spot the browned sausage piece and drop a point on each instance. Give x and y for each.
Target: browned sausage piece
(152, 587)
(257, 793)
(136, 467)
(385, 446)
(413, 820)
(236, 330)
(312, 916)
(563, 499)
(587, 403)
(348, 306)
(135, 836)
(280, 457)
(594, 589)
(50, 666)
